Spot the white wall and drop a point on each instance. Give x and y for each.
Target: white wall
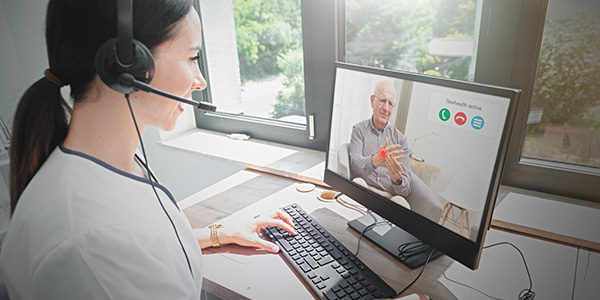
(22, 62)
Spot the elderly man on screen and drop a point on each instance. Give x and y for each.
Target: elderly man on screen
(377, 149)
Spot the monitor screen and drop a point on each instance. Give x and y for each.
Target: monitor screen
(424, 153)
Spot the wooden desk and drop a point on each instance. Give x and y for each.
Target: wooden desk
(233, 272)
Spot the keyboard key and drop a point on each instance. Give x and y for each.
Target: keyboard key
(330, 295)
(336, 255)
(305, 267)
(313, 264)
(325, 260)
(286, 246)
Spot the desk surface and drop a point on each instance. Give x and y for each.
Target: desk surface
(234, 272)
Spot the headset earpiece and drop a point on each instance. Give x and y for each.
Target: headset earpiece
(109, 67)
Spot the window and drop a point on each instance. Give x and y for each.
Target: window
(563, 125)
(270, 75)
(557, 149)
(259, 60)
(548, 49)
(435, 37)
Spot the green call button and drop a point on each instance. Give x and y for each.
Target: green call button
(444, 114)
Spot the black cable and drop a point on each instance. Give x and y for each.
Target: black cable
(357, 207)
(150, 175)
(418, 276)
(525, 294)
(405, 250)
(409, 249)
(371, 226)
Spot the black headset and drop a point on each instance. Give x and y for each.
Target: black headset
(126, 65)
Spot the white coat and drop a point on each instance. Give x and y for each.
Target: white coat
(85, 230)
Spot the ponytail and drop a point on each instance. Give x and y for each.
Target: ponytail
(40, 124)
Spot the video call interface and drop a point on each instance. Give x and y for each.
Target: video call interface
(453, 139)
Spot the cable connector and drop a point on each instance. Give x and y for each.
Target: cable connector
(527, 294)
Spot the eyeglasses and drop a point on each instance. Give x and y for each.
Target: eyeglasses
(382, 101)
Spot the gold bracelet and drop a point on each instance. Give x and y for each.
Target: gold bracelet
(214, 237)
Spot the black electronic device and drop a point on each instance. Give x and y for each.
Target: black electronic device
(126, 65)
(461, 164)
(329, 268)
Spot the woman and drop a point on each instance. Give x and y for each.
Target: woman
(86, 222)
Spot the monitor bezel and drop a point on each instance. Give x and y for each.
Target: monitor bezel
(459, 248)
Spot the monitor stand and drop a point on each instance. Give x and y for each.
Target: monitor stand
(390, 237)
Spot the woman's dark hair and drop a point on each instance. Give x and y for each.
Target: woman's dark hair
(75, 29)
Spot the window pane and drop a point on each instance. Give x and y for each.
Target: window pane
(564, 121)
(255, 47)
(436, 37)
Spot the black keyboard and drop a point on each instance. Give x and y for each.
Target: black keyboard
(332, 271)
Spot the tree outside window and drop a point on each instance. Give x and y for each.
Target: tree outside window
(564, 121)
(435, 37)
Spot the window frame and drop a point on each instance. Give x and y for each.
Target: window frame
(508, 53)
(318, 32)
(537, 174)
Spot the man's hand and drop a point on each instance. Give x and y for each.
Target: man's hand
(390, 161)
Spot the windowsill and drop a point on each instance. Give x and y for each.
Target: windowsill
(292, 162)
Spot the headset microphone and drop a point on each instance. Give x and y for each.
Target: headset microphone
(127, 79)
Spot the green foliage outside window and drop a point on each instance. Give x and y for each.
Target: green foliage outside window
(389, 34)
(567, 92)
(394, 34)
(567, 85)
(269, 40)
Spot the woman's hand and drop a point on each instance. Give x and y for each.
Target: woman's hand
(248, 234)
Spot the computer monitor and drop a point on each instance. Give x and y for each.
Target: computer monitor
(457, 134)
